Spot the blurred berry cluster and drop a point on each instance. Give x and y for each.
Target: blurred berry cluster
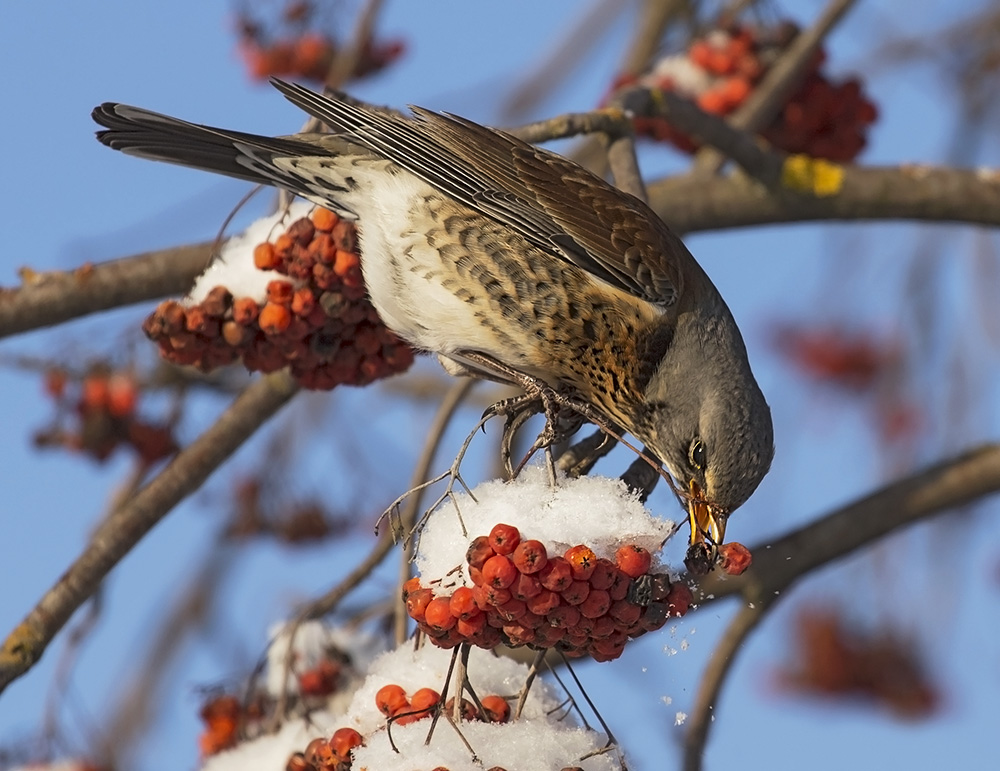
(298, 44)
(720, 70)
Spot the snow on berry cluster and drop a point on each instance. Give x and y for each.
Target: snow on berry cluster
(296, 301)
(720, 70)
(550, 590)
(388, 720)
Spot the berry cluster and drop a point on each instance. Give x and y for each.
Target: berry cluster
(720, 70)
(317, 321)
(103, 411)
(294, 48)
(522, 595)
(223, 716)
(333, 754)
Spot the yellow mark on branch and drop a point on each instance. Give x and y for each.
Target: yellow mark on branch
(806, 174)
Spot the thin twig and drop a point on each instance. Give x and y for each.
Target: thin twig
(121, 531)
(407, 516)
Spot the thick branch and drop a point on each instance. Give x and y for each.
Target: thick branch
(120, 532)
(931, 194)
(46, 299)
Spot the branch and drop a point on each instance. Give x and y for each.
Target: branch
(46, 299)
(779, 565)
(121, 531)
(933, 194)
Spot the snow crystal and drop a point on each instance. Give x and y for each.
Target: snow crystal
(680, 717)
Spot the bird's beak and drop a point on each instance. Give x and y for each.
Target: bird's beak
(708, 524)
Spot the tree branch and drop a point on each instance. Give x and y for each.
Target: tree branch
(120, 532)
(932, 194)
(46, 299)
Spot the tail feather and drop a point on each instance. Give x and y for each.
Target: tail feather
(147, 134)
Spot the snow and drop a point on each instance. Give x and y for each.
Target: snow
(599, 512)
(234, 268)
(544, 739)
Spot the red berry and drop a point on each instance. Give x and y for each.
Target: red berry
(596, 604)
(679, 599)
(543, 602)
(504, 538)
(556, 575)
(525, 587)
(343, 741)
(634, 561)
(734, 558)
(497, 709)
(499, 572)
(582, 560)
(425, 698)
(390, 698)
(479, 551)
(576, 592)
(416, 603)
(529, 556)
(463, 603)
(438, 616)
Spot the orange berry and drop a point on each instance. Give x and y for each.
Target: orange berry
(712, 101)
(343, 741)
(576, 592)
(556, 575)
(734, 558)
(700, 53)
(468, 627)
(582, 561)
(525, 587)
(479, 551)
(543, 602)
(280, 292)
(504, 538)
(303, 301)
(438, 616)
(497, 709)
(463, 603)
(245, 311)
(122, 395)
(530, 556)
(604, 574)
(390, 698)
(265, 257)
(345, 263)
(634, 561)
(411, 586)
(274, 319)
(324, 219)
(425, 698)
(499, 572)
(735, 91)
(320, 753)
(596, 604)
(94, 391)
(417, 602)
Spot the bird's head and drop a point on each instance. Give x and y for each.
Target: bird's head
(706, 419)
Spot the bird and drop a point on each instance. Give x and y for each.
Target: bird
(478, 246)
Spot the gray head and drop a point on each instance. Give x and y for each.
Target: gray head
(707, 420)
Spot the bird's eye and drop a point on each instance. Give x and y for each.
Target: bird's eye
(697, 454)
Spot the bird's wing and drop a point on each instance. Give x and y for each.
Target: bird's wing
(554, 203)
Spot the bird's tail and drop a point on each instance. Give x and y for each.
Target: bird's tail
(262, 160)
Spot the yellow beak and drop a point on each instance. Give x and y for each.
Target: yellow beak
(707, 525)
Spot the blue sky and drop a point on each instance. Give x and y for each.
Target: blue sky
(68, 200)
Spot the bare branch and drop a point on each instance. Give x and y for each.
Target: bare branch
(47, 299)
(120, 532)
(931, 194)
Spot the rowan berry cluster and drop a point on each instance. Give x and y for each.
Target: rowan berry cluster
(720, 70)
(98, 413)
(523, 595)
(294, 46)
(317, 320)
